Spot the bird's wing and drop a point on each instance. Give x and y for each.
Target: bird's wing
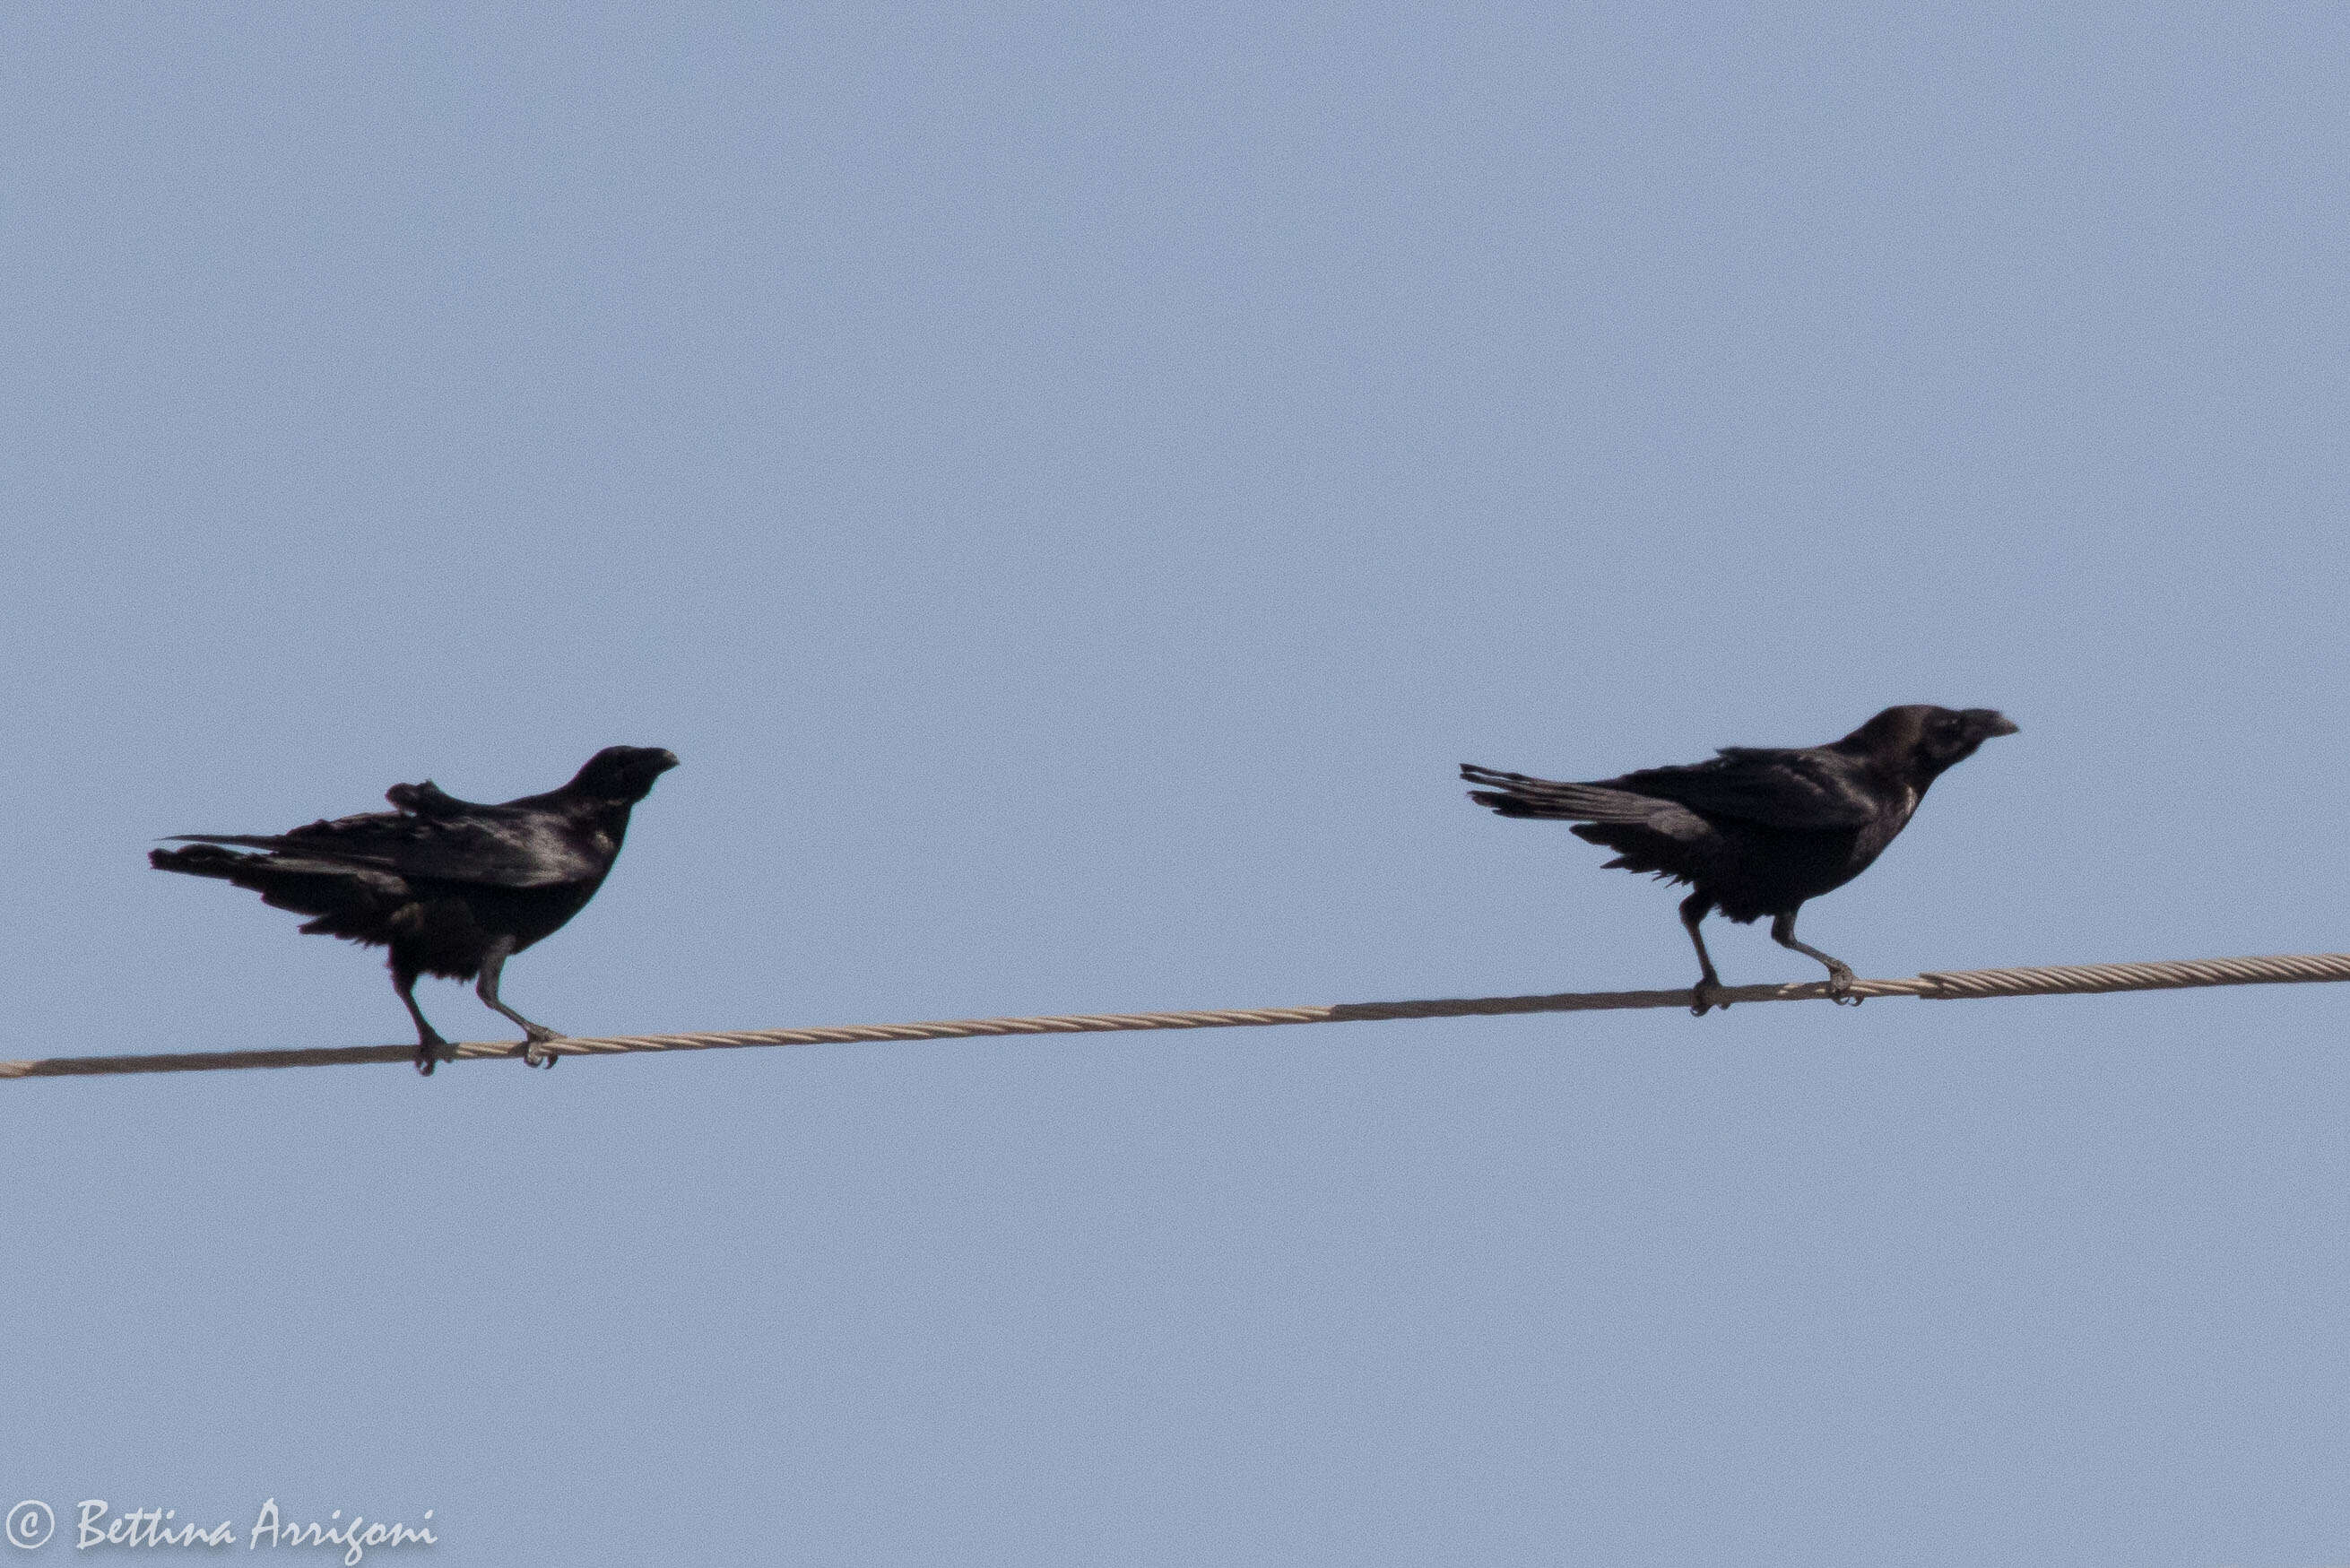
(427, 799)
(486, 844)
(1797, 790)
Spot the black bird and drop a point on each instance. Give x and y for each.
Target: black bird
(1758, 831)
(452, 887)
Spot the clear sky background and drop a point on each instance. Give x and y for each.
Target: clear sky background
(1071, 483)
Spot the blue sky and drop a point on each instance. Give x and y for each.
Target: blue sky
(1071, 483)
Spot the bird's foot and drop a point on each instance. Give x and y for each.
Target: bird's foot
(538, 1035)
(1840, 983)
(1706, 996)
(430, 1051)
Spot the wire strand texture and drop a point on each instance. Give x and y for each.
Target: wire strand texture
(1935, 985)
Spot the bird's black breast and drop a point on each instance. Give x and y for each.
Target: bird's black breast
(1748, 869)
(1772, 871)
(447, 928)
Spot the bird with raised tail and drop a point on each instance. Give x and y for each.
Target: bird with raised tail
(1758, 831)
(452, 887)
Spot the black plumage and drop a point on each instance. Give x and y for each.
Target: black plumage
(452, 887)
(1759, 831)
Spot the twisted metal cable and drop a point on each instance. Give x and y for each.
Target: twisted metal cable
(1935, 985)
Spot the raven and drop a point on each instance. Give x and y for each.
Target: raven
(1759, 830)
(452, 887)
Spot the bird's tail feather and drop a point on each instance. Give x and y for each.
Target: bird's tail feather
(1521, 794)
(206, 860)
(247, 840)
(349, 900)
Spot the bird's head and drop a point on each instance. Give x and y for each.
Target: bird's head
(622, 773)
(1929, 741)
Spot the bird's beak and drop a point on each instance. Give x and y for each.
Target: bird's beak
(669, 759)
(1999, 724)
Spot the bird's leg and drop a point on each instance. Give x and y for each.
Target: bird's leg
(1707, 992)
(1840, 976)
(430, 1047)
(487, 990)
